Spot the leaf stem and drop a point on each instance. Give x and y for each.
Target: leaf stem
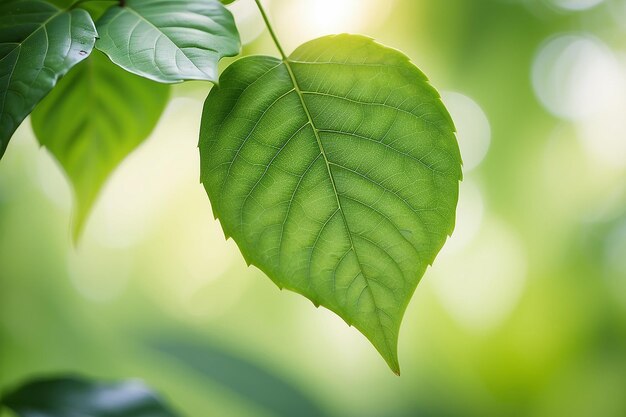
(271, 30)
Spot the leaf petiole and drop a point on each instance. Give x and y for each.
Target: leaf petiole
(271, 30)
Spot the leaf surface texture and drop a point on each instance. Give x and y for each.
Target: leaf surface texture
(39, 43)
(336, 171)
(169, 40)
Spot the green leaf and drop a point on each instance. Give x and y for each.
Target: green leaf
(39, 43)
(220, 366)
(169, 40)
(94, 118)
(336, 172)
(74, 397)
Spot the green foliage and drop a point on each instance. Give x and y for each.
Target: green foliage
(72, 396)
(39, 43)
(336, 172)
(169, 41)
(95, 117)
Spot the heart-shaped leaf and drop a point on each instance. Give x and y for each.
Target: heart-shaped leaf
(77, 397)
(336, 171)
(92, 120)
(169, 40)
(39, 43)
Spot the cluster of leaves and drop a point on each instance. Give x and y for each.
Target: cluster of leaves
(334, 168)
(100, 112)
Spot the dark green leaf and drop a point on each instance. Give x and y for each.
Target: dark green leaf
(39, 43)
(169, 40)
(78, 397)
(94, 118)
(336, 171)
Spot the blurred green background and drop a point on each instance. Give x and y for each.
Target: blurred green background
(522, 314)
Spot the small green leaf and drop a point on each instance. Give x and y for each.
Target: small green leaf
(73, 397)
(39, 43)
(336, 171)
(94, 118)
(169, 40)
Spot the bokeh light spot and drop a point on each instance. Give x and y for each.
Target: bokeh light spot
(472, 125)
(482, 285)
(576, 4)
(576, 76)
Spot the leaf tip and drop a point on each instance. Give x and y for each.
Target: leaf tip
(77, 227)
(394, 365)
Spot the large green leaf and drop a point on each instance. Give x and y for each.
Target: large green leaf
(336, 172)
(39, 43)
(78, 397)
(95, 117)
(169, 40)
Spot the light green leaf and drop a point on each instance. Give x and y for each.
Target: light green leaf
(94, 118)
(336, 172)
(169, 40)
(39, 43)
(72, 397)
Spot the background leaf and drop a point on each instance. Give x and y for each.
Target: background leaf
(95, 117)
(336, 172)
(262, 387)
(77, 397)
(169, 41)
(39, 43)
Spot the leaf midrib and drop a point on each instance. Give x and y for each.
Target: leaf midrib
(300, 93)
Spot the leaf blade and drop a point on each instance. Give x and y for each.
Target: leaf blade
(143, 37)
(348, 138)
(73, 396)
(39, 43)
(96, 116)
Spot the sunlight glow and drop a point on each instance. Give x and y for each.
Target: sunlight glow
(473, 129)
(248, 19)
(308, 19)
(578, 78)
(482, 285)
